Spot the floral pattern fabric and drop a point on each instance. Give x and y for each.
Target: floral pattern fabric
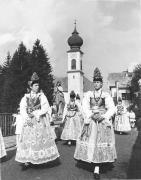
(37, 140)
(73, 123)
(97, 141)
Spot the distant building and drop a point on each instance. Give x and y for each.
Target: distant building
(119, 86)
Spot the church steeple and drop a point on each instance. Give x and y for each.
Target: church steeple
(75, 41)
(75, 70)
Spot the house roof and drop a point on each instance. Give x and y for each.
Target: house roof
(123, 78)
(88, 85)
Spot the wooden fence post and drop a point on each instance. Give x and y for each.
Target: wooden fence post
(6, 120)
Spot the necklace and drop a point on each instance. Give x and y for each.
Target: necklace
(97, 99)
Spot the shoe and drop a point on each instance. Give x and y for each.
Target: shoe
(25, 166)
(96, 176)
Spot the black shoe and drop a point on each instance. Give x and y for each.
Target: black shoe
(96, 176)
(25, 167)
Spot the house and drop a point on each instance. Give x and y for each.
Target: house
(119, 86)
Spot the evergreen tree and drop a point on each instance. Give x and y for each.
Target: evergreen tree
(3, 75)
(15, 83)
(134, 86)
(40, 64)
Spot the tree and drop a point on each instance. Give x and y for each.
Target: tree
(16, 72)
(40, 64)
(134, 86)
(3, 74)
(15, 81)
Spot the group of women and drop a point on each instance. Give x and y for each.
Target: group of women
(89, 124)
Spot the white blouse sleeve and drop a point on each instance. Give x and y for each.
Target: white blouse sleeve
(109, 103)
(23, 108)
(64, 112)
(86, 108)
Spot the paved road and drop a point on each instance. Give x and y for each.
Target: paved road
(67, 169)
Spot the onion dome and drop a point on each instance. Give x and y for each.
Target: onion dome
(75, 41)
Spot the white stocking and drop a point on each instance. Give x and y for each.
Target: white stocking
(96, 169)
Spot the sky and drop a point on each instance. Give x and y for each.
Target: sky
(111, 31)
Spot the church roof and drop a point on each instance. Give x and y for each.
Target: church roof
(88, 85)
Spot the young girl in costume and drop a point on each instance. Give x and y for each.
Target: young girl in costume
(72, 118)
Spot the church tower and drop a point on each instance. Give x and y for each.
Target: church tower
(75, 71)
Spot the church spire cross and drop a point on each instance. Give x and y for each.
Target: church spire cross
(75, 31)
(75, 23)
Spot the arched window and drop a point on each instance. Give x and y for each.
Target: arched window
(73, 64)
(81, 64)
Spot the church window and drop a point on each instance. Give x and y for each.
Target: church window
(73, 64)
(81, 64)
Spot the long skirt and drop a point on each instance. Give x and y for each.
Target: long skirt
(37, 143)
(2, 146)
(96, 144)
(73, 127)
(122, 123)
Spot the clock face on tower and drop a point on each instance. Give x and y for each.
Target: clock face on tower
(73, 56)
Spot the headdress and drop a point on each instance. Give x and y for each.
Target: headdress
(34, 79)
(97, 75)
(72, 94)
(77, 96)
(58, 83)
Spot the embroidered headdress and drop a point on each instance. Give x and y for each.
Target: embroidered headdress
(34, 79)
(72, 94)
(77, 96)
(97, 75)
(58, 83)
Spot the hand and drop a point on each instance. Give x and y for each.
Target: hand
(100, 118)
(31, 115)
(97, 117)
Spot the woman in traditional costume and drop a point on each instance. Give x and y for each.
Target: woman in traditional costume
(2, 146)
(97, 141)
(122, 123)
(37, 142)
(72, 118)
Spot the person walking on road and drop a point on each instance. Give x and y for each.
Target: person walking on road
(37, 143)
(97, 141)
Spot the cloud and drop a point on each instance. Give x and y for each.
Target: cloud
(26, 21)
(110, 29)
(6, 38)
